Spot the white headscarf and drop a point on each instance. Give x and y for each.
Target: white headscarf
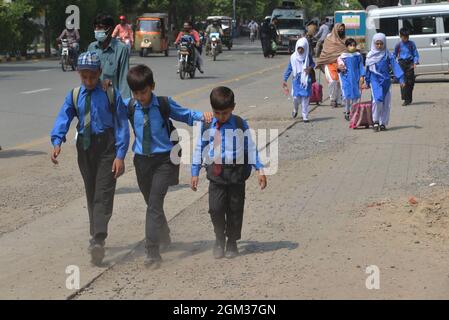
(301, 61)
(375, 55)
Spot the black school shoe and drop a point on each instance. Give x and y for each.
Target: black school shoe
(153, 259)
(376, 127)
(96, 250)
(231, 249)
(165, 243)
(347, 116)
(383, 128)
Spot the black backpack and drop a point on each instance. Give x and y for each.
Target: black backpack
(246, 166)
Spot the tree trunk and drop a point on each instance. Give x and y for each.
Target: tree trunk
(47, 35)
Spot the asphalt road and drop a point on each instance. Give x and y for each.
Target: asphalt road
(32, 92)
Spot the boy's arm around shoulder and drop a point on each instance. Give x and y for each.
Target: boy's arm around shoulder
(182, 114)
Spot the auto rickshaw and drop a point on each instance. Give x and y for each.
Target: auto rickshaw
(226, 25)
(151, 34)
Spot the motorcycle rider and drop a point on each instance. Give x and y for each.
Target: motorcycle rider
(124, 33)
(73, 37)
(214, 27)
(188, 30)
(253, 27)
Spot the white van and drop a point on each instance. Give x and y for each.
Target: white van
(429, 29)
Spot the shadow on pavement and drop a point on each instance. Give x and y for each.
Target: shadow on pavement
(250, 247)
(4, 154)
(403, 127)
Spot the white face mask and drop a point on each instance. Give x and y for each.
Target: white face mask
(100, 35)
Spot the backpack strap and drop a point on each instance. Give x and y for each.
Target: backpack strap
(131, 110)
(75, 96)
(164, 109)
(111, 99)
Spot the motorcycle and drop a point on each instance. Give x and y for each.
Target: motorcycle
(215, 44)
(187, 57)
(67, 56)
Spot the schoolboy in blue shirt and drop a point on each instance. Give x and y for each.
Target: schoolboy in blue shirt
(408, 57)
(227, 170)
(102, 144)
(155, 167)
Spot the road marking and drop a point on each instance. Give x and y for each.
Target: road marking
(236, 79)
(36, 91)
(43, 70)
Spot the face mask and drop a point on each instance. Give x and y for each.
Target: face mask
(341, 34)
(352, 49)
(100, 35)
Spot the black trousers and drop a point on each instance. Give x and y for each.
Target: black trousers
(95, 166)
(155, 174)
(226, 204)
(407, 91)
(266, 46)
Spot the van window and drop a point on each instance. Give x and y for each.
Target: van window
(389, 26)
(421, 25)
(446, 24)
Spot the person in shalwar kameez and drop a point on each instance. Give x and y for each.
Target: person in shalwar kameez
(300, 66)
(352, 73)
(379, 62)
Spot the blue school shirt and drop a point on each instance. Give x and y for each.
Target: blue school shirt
(408, 51)
(350, 79)
(230, 152)
(160, 141)
(297, 89)
(380, 84)
(101, 118)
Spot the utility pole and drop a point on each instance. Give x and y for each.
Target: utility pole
(234, 18)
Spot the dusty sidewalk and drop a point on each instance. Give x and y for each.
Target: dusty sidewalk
(338, 205)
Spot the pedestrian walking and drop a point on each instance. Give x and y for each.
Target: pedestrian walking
(407, 56)
(102, 144)
(300, 67)
(379, 63)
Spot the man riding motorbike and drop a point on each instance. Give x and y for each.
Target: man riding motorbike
(73, 37)
(213, 28)
(124, 33)
(188, 30)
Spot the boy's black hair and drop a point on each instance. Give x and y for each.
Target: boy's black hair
(350, 41)
(222, 98)
(404, 32)
(140, 77)
(105, 20)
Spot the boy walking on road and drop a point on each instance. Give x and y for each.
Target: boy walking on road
(229, 162)
(408, 57)
(102, 144)
(155, 169)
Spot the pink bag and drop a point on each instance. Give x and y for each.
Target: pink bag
(317, 93)
(361, 115)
